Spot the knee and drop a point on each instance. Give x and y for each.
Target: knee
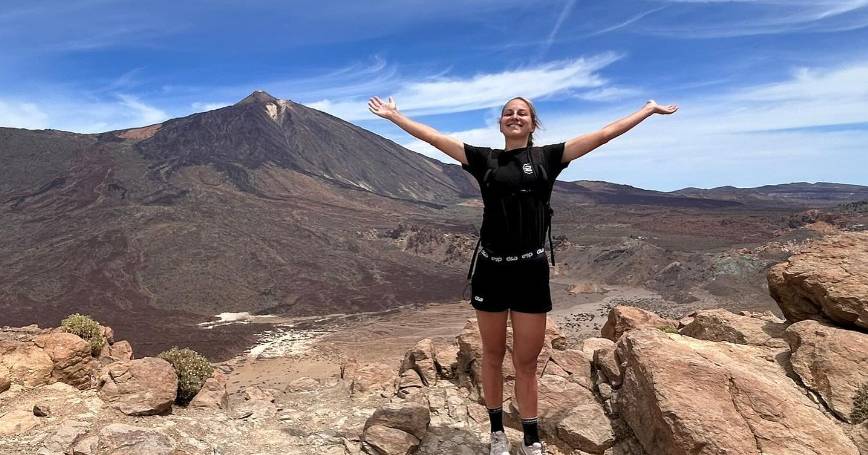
(493, 356)
(525, 367)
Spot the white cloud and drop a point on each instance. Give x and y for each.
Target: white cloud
(81, 115)
(746, 137)
(760, 17)
(22, 115)
(449, 95)
(203, 107)
(142, 112)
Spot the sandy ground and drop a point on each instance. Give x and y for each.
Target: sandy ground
(317, 348)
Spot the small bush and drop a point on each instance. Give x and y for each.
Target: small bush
(86, 328)
(668, 329)
(860, 405)
(192, 368)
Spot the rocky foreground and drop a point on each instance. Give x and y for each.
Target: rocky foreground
(713, 382)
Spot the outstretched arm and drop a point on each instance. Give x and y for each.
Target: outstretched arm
(446, 144)
(583, 144)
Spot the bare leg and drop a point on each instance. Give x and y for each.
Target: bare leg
(492, 329)
(528, 331)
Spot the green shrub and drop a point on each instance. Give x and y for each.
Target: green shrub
(86, 328)
(860, 405)
(192, 368)
(668, 329)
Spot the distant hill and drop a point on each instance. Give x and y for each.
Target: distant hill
(797, 194)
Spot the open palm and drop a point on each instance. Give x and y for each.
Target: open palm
(385, 110)
(658, 109)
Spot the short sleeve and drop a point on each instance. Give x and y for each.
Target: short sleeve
(477, 160)
(552, 154)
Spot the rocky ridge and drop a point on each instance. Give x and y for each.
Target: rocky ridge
(711, 382)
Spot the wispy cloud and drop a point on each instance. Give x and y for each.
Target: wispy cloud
(625, 23)
(565, 12)
(481, 91)
(769, 133)
(731, 18)
(81, 115)
(22, 115)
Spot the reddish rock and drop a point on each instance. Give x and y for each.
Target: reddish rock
(71, 358)
(827, 281)
(685, 396)
(25, 363)
(139, 387)
(722, 325)
(408, 416)
(831, 361)
(624, 318)
(213, 393)
(390, 441)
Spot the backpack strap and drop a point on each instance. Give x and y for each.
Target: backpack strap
(492, 169)
(537, 161)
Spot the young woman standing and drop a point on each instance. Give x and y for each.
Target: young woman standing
(509, 273)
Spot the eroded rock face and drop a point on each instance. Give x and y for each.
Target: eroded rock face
(828, 281)
(624, 318)
(405, 415)
(117, 352)
(373, 378)
(591, 345)
(213, 393)
(687, 396)
(139, 387)
(722, 325)
(70, 356)
(831, 361)
(121, 439)
(421, 359)
(25, 363)
(390, 441)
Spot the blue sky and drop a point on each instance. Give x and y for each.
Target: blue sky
(770, 91)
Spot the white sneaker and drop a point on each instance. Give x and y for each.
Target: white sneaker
(499, 443)
(533, 449)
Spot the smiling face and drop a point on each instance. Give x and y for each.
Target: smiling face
(517, 119)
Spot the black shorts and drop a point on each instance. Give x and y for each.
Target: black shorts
(521, 285)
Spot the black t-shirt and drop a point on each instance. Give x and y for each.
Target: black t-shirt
(514, 194)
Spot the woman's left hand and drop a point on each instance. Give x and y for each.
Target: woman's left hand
(658, 109)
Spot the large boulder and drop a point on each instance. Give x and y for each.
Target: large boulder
(685, 396)
(590, 345)
(117, 352)
(213, 393)
(25, 363)
(624, 318)
(139, 387)
(71, 358)
(405, 415)
(831, 361)
(722, 325)
(390, 441)
(570, 416)
(827, 281)
(575, 364)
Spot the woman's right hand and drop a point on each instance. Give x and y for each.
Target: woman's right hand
(385, 110)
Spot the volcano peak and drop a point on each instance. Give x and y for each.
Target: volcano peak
(258, 96)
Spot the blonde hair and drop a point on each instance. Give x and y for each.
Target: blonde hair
(533, 117)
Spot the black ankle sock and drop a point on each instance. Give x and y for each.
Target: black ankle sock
(496, 418)
(531, 431)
